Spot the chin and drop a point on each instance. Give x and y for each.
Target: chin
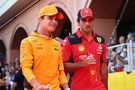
(52, 30)
(87, 30)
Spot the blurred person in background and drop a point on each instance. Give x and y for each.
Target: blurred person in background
(123, 48)
(119, 56)
(129, 37)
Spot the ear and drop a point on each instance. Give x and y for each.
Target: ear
(78, 22)
(39, 20)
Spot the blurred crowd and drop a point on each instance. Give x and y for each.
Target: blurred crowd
(117, 55)
(7, 74)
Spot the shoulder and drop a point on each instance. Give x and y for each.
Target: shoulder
(28, 40)
(24, 40)
(99, 39)
(73, 36)
(74, 39)
(56, 42)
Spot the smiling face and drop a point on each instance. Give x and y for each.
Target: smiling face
(86, 24)
(48, 23)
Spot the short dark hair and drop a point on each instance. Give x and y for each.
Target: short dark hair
(42, 17)
(78, 16)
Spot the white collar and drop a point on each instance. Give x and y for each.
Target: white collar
(45, 36)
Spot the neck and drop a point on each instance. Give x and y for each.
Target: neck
(87, 35)
(44, 32)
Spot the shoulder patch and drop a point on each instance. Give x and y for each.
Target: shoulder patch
(73, 39)
(99, 39)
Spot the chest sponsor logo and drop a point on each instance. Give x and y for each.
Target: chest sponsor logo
(40, 48)
(81, 48)
(55, 45)
(99, 49)
(82, 57)
(55, 49)
(39, 44)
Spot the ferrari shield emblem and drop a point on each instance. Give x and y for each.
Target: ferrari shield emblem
(99, 39)
(92, 72)
(86, 11)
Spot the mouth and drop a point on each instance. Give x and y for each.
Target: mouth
(53, 26)
(88, 27)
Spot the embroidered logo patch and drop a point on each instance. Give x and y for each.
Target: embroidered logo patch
(99, 39)
(56, 49)
(81, 48)
(93, 72)
(86, 11)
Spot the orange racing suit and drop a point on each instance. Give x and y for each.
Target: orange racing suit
(40, 58)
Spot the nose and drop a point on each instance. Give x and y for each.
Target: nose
(87, 23)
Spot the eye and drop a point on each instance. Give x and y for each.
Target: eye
(51, 18)
(56, 19)
(90, 20)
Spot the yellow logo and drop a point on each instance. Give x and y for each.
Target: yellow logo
(86, 11)
(81, 48)
(99, 39)
(92, 72)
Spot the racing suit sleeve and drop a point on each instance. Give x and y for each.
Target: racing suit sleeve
(26, 59)
(104, 69)
(66, 50)
(62, 76)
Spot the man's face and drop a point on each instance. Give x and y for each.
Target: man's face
(86, 24)
(122, 39)
(49, 23)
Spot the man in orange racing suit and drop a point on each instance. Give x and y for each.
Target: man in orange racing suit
(40, 55)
